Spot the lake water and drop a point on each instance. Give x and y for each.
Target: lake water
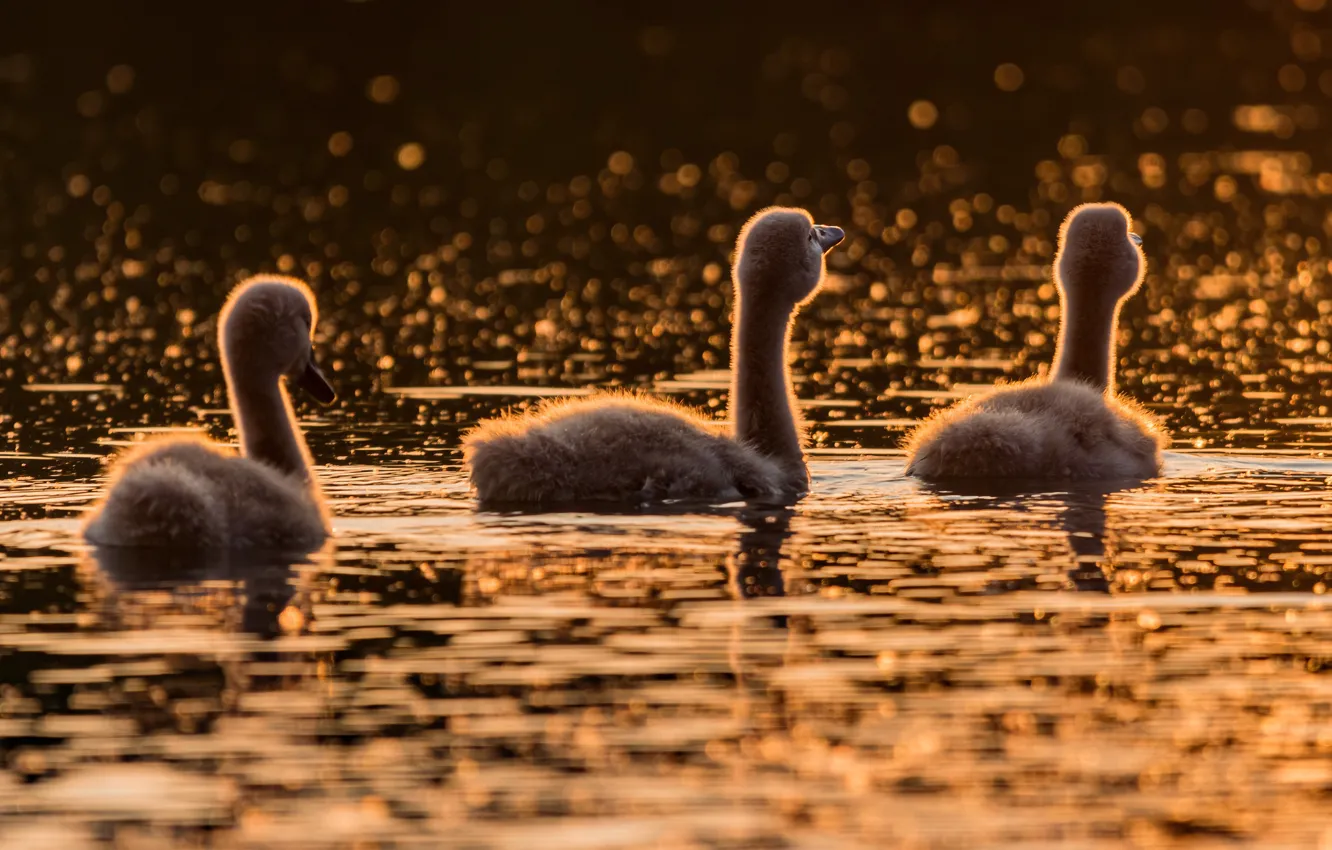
(883, 664)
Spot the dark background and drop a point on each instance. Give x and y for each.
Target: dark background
(132, 200)
(553, 88)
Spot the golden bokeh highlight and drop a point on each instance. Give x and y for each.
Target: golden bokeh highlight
(922, 114)
(340, 143)
(1008, 77)
(411, 156)
(620, 163)
(1130, 80)
(1072, 146)
(1194, 121)
(1292, 78)
(383, 89)
(120, 79)
(78, 185)
(291, 620)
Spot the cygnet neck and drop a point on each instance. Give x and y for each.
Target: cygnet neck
(266, 423)
(1086, 350)
(762, 405)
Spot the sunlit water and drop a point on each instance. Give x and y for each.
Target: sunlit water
(882, 664)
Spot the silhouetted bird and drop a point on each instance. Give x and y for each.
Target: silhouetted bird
(187, 492)
(1072, 426)
(621, 448)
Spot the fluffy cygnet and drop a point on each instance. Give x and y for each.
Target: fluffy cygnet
(1072, 426)
(625, 448)
(191, 493)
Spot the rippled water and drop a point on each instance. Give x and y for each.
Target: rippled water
(883, 664)
(880, 663)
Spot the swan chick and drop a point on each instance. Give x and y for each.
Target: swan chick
(619, 447)
(191, 493)
(1073, 425)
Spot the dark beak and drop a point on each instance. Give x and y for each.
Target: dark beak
(313, 382)
(828, 236)
(1135, 238)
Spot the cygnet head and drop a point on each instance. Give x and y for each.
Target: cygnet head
(266, 327)
(781, 254)
(1099, 257)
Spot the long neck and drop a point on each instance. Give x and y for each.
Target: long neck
(267, 426)
(761, 403)
(1087, 342)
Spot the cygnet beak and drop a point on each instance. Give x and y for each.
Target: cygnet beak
(1135, 238)
(828, 236)
(313, 382)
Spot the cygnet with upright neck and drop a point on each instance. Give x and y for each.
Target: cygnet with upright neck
(1073, 425)
(622, 448)
(194, 494)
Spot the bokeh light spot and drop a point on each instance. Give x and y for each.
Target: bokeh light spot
(120, 79)
(1008, 77)
(340, 143)
(922, 114)
(411, 156)
(621, 163)
(383, 89)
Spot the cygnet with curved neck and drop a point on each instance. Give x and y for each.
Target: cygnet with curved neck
(1073, 425)
(191, 493)
(629, 449)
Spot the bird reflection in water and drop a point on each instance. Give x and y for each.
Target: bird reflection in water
(256, 593)
(1079, 510)
(755, 569)
(1083, 518)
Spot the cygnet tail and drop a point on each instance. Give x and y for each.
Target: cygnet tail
(162, 504)
(520, 468)
(985, 444)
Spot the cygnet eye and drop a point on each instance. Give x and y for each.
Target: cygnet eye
(1135, 238)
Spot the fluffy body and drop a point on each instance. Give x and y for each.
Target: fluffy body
(1072, 426)
(189, 493)
(194, 494)
(1038, 430)
(617, 448)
